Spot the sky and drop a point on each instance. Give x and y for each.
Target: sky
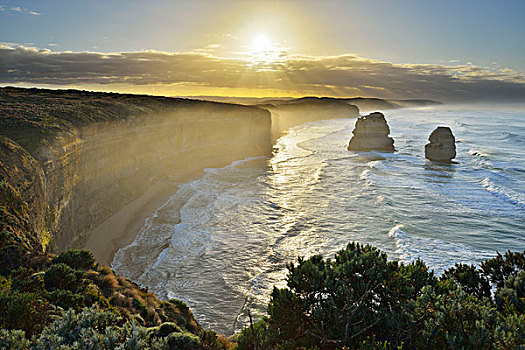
(445, 50)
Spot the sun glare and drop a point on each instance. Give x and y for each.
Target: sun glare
(261, 43)
(263, 52)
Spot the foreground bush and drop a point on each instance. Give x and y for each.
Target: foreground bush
(360, 300)
(95, 329)
(70, 302)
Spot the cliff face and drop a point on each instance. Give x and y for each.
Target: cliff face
(93, 165)
(22, 209)
(105, 165)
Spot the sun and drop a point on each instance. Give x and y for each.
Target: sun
(263, 52)
(261, 43)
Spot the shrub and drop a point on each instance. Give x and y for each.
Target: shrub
(106, 283)
(258, 335)
(343, 301)
(455, 318)
(5, 284)
(13, 340)
(167, 328)
(105, 270)
(509, 331)
(183, 341)
(361, 300)
(180, 305)
(66, 299)
(512, 295)
(500, 268)
(76, 259)
(117, 299)
(26, 280)
(468, 277)
(24, 311)
(97, 329)
(211, 341)
(61, 276)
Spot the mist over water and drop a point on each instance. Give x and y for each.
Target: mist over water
(222, 242)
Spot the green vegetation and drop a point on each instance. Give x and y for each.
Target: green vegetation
(70, 302)
(360, 300)
(97, 329)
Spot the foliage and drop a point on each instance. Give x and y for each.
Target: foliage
(33, 299)
(512, 294)
(451, 316)
(472, 281)
(501, 267)
(24, 311)
(61, 276)
(76, 259)
(14, 340)
(98, 329)
(346, 300)
(361, 300)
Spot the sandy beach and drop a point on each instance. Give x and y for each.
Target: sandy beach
(122, 228)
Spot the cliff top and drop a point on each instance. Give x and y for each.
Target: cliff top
(29, 115)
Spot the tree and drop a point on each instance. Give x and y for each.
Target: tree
(341, 302)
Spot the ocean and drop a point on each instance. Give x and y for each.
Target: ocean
(222, 242)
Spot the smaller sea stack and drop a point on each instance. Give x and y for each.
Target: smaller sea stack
(371, 133)
(442, 145)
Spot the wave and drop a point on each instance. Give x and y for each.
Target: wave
(233, 164)
(437, 254)
(486, 160)
(506, 136)
(506, 194)
(460, 124)
(513, 137)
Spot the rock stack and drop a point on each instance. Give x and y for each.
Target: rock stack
(442, 145)
(371, 133)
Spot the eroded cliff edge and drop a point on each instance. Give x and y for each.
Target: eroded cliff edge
(96, 152)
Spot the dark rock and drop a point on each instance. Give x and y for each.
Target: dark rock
(442, 145)
(371, 133)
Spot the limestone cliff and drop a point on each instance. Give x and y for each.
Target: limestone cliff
(289, 113)
(22, 209)
(96, 152)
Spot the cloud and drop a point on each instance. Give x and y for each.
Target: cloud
(209, 48)
(18, 9)
(343, 75)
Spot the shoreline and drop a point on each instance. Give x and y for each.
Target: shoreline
(123, 227)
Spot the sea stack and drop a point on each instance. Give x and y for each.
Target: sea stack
(442, 145)
(371, 133)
